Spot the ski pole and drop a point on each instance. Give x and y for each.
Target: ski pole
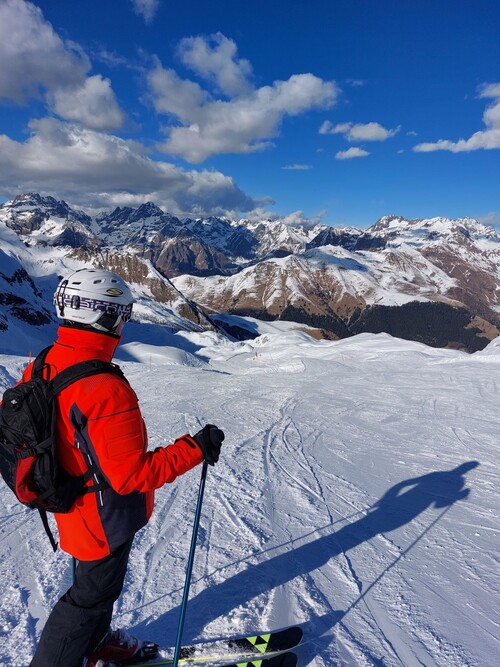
(189, 568)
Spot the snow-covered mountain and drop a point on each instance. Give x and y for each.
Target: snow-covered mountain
(356, 495)
(435, 281)
(41, 240)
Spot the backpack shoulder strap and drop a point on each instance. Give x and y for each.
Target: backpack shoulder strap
(50, 535)
(82, 370)
(39, 363)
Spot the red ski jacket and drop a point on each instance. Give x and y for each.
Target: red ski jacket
(99, 422)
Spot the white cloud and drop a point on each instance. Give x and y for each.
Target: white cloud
(32, 56)
(111, 59)
(299, 218)
(93, 104)
(487, 139)
(294, 219)
(246, 119)
(36, 62)
(489, 90)
(491, 219)
(146, 8)
(298, 167)
(214, 59)
(359, 131)
(173, 95)
(94, 169)
(351, 153)
(328, 128)
(243, 124)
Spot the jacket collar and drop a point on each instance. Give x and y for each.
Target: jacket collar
(87, 344)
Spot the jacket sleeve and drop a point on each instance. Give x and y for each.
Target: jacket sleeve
(117, 434)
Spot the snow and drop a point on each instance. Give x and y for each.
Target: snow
(357, 495)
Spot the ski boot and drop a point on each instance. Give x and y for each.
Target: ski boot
(119, 648)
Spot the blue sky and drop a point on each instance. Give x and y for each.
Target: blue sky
(338, 111)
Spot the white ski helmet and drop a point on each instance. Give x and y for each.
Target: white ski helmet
(94, 297)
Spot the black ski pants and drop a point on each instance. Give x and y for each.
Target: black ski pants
(81, 618)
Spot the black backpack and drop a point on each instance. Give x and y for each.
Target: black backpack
(28, 459)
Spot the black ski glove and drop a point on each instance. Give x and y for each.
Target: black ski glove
(209, 440)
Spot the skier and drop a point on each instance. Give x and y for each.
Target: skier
(99, 424)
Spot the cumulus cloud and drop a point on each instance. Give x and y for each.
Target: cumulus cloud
(359, 131)
(214, 59)
(244, 123)
(36, 62)
(487, 139)
(173, 95)
(95, 169)
(146, 8)
(93, 104)
(351, 153)
(32, 55)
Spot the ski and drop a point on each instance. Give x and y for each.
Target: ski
(288, 659)
(240, 648)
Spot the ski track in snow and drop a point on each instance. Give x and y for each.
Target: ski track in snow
(337, 504)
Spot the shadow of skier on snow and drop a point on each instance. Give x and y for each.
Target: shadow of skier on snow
(400, 505)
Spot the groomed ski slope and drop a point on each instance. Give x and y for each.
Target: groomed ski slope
(357, 495)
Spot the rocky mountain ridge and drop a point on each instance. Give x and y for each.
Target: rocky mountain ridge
(434, 280)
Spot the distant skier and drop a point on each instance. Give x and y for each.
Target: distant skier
(100, 425)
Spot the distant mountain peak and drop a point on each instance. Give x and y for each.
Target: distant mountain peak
(149, 209)
(33, 199)
(28, 212)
